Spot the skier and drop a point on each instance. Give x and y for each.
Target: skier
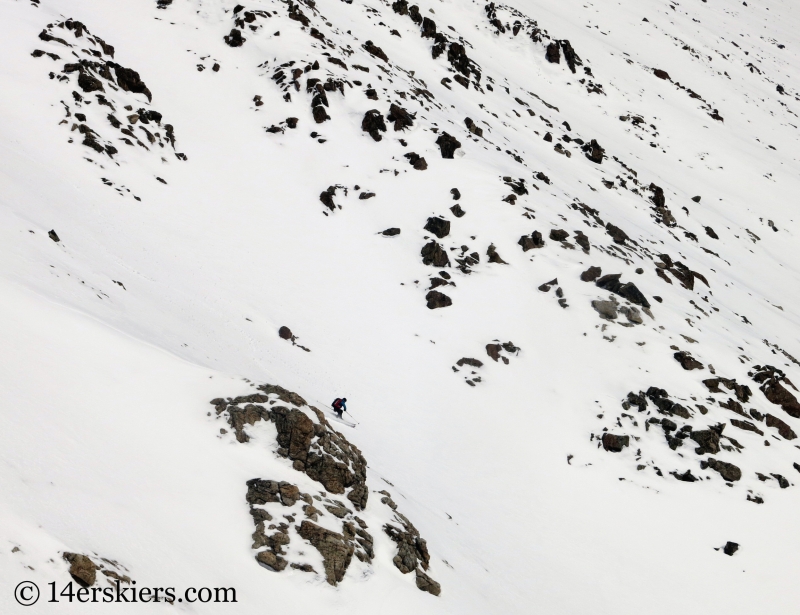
(339, 406)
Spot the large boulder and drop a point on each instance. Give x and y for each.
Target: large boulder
(433, 254)
(82, 569)
(335, 550)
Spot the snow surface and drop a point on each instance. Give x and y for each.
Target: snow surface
(105, 440)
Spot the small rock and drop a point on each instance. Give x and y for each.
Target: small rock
(285, 333)
(436, 300)
(730, 548)
(687, 361)
(457, 211)
(438, 226)
(606, 309)
(591, 274)
(391, 232)
(54, 236)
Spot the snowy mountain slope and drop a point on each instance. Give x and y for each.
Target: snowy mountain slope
(159, 297)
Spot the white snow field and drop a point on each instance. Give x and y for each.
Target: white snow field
(194, 221)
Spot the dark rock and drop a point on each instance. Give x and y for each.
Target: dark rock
(376, 51)
(559, 235)
(284, 395)
(249, 415)
(261, 491)
(373, 124)
(291, 122)
(427, 584)
(436, 300)
(402, 119)
(782, 482)
(747, 426)
(82, 569)
(428, 28)
(728, 471)
(365, 196)
(639, 401)
(456, 193)
(474, 363)
(668, 425)
(285, 333)
(783, 429)
(628, 290)
(400, 7)
(457, 211)
(594, 152)
(730, 548)
(90, 83)
(433, 254)
(295, 432)
(583, 241)
(591, 274)
(531, 242)
(771, 380)
(53, 235)
(130, 81)
(553, 54)
(548, 137)
(493, 350)
(614, 443)
(319, 114)
(270, 560)
(336, 552)
(710, 232)
(417, 161)
(708, 441)
(391, 232)
(686, 477)
(570, 56)
(448, 144)
(473, 128)
(687, 361)
(326, 197)
(289, 493)
(616, 233)
(412, 549)
(661, 74)
(438, 226)
(494, 257)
